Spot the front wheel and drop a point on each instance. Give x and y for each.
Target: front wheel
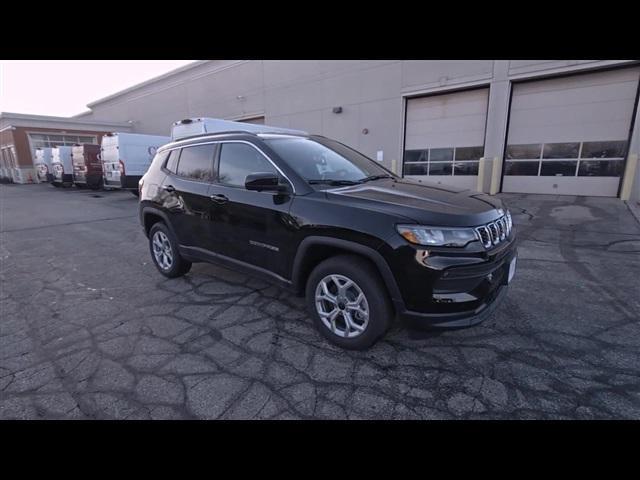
(349, 302)
(165, 254)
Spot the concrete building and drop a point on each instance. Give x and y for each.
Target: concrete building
(21, 134)
(561, 127)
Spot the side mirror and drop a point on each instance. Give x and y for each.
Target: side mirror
(263, 181)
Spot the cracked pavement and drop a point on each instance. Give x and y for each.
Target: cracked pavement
(90, 330)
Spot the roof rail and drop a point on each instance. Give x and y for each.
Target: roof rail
(191, 127)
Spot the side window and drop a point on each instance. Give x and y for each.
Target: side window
(172, 161)
(196, 162)
(160, 158)
(237, 160)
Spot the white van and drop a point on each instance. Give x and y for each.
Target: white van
(126, 158)
(62, 166)
(43, 165)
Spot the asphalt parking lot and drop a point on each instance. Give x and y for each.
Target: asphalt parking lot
(89, 328)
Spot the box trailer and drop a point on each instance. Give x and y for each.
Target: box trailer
(126, 158)
(87, 167)
(190, 127)
(43, 165)
(62, 165)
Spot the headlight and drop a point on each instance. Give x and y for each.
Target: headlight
(437, 237)
(509, 221)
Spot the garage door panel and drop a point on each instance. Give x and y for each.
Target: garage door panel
(577, 96)
(433, 107)
(603, 78)
(597, 187)
(465, 132)
(579, 109)
(576, 118)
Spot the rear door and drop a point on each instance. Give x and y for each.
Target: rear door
(249, 226)
(110, 160)
(185, 193)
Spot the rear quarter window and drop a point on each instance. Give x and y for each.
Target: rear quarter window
(172, 160)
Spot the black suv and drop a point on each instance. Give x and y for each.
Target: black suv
(321, 219)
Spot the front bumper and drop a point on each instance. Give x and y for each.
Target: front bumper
(440, 289)
(457, 319)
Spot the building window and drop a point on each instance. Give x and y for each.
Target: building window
(456, 161)
(50, 140)
(582, 159)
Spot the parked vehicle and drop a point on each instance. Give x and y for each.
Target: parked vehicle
(316, 216)
(126, 157)
(43, 165)
(87, 167)
(5, 166)
(62, 165)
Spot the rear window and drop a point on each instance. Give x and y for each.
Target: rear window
(196, 163)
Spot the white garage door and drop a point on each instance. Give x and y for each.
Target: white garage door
(444, 137)
(569, 135)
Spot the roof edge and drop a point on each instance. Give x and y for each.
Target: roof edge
(71, 120)
(168, 74)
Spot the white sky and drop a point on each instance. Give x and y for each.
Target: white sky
(63, 88)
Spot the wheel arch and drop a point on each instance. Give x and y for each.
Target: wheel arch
(314, 249)
(150, 216)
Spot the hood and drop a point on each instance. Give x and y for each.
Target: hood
(424, 203)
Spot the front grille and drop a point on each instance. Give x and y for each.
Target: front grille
(493, 233)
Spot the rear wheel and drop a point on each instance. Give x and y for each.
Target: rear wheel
(164, 252)
(348, 302)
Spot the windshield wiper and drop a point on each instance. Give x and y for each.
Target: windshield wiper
(329, 181)
(374, 177)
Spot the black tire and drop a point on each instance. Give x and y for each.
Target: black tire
(57, 185)
(367, 279)
(179, 266)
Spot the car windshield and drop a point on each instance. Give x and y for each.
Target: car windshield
(326, 162)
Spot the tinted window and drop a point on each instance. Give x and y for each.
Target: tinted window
(441, 154)
(196, 162)
(524, 151)
(603, 149)
(172, 161)
(561, 150)
(440, 168)
(416, 169)
(237, 160)
(469, 153)
(521, 168)
(558, 169)
(416, 155)
(600, 168)
(466, 168)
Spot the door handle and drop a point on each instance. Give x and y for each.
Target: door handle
(219, 198)
(168, 188)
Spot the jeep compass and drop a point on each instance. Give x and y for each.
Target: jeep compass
(315, 216)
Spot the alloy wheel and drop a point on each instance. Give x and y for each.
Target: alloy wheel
(162, 250)
(342, 306)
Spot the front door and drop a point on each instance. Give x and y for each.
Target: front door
(249, 226)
